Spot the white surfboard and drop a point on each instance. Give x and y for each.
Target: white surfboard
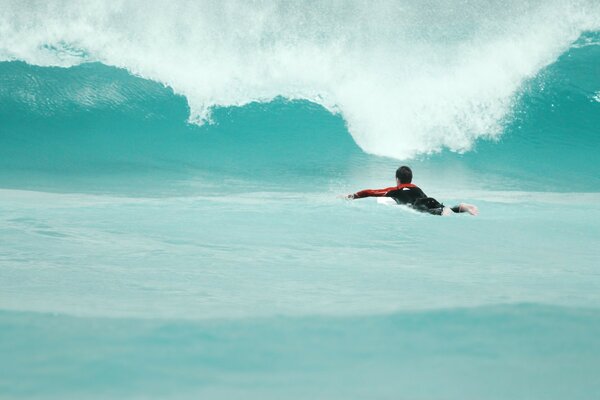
(388, 201)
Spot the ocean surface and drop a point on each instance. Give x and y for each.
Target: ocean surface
(170, 219)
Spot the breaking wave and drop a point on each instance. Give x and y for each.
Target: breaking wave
(407, 78)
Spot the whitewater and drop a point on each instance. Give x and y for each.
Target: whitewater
(435, 75)
(170, 216)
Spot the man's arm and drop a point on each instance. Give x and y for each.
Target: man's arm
(370, 193)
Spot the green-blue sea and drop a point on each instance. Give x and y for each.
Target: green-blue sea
(171, 218)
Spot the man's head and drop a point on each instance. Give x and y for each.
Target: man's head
(404, 174)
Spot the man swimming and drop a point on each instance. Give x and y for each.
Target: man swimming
(407, 193)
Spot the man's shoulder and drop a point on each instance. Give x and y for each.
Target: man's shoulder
(413, 192)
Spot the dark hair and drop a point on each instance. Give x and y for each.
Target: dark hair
(404, 174)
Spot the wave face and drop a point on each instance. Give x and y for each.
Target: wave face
(64, 126)
(407, 78)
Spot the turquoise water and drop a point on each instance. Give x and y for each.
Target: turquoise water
(169, 219)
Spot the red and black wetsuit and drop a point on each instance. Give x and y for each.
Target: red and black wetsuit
(406, 193)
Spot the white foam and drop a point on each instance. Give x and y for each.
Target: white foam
(408, 77)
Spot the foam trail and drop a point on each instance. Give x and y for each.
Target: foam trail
(408, 78)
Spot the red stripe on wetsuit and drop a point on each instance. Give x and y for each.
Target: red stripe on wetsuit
(381, 192)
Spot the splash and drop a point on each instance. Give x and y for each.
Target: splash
(407, 78)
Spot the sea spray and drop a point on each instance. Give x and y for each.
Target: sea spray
(407, 78)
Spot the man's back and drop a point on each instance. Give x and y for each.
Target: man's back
(406, 195)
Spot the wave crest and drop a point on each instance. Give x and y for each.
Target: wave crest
(407, 78)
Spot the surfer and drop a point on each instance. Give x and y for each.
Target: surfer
(405, 192)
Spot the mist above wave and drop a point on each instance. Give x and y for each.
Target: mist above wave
(407, 78)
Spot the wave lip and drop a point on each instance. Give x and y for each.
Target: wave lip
(406, 79)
